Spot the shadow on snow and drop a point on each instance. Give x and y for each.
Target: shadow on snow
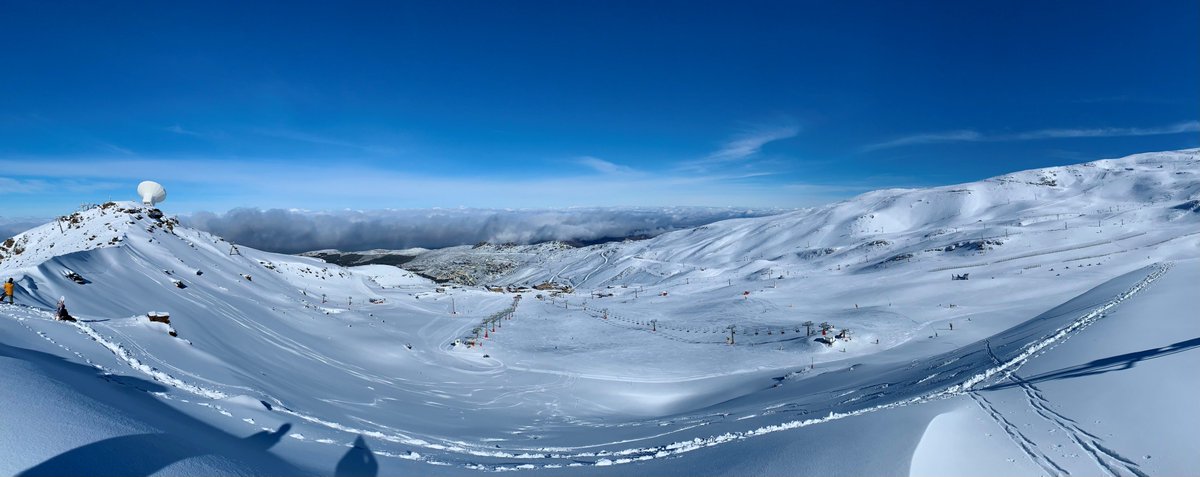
(1105, 365)
(182, 436)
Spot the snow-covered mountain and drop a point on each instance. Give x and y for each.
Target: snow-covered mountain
(634, 364)
(877, 230)
(127, 261)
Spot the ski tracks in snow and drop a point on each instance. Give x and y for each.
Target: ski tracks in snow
(1109, 461)
(1024, 443)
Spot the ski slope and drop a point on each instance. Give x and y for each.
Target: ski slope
(630, 368)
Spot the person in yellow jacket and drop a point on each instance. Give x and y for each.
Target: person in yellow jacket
(8, 291)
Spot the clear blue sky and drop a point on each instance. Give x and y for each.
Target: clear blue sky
(330, 105)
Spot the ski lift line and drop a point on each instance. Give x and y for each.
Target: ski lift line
(744, 331)
(1160, 242)
(1046, 252)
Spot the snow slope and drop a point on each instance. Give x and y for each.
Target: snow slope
(1128, 365)
(64, 418)
(632, 367)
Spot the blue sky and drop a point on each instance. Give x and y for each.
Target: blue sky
(330, 105)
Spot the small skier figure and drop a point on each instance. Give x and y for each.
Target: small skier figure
(61, 313)
(8, 291)
(951, 326)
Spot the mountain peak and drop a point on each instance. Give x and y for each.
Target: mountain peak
(105, 225)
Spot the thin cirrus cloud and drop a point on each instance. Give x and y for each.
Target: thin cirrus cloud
(751, 142)
(211, 184)
(1177, 128)
(734, 173)
(286, 135)
(967, 135)
(604, 167)
(177, 129)
(742, 147)
(16, 186)
(23, 186)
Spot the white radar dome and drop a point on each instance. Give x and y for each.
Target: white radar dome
(151, 193)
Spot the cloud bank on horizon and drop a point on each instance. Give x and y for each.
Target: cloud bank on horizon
(13, 226)
(293, 231)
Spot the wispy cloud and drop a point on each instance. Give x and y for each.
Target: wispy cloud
(220, 184)
(749, 143)
(742, 147)
(9, 186)
(25, 186)
(967, 135)
(1177, 128)
(929, 138)
(310, 138)
(116, 148)
(177, 129)
(740, 172)
(603, 166)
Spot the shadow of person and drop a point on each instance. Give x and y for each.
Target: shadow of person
(179, 436)
(136, 455)
(264, 440)
(359, 461)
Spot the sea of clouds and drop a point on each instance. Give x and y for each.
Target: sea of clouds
(294, 231)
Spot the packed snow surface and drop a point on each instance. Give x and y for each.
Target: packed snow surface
(659, 356)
